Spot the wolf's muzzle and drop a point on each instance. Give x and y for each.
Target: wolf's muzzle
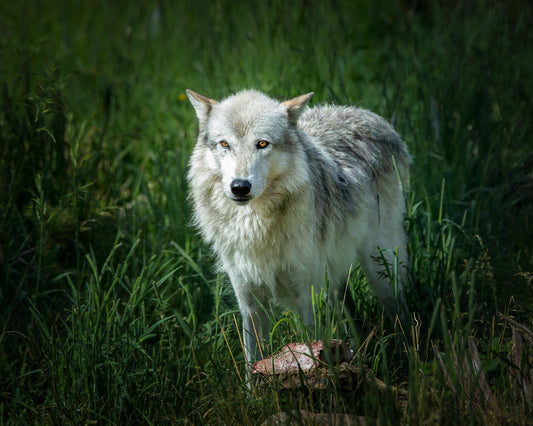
(240, 187)
(240, 190)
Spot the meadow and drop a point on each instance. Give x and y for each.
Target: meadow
(111, 311)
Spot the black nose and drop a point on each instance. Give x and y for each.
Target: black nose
(240, 187)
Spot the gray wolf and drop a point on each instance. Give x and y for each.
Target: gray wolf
(285, 193)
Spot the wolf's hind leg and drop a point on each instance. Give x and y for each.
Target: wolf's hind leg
(385, 265)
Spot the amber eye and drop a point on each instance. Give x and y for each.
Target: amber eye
(224, 144)
(262, 144)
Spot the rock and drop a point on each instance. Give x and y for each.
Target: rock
(307, 418)
(317, 367)
(296, 357)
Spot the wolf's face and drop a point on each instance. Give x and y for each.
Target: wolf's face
(249, 140)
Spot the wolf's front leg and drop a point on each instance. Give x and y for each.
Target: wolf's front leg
(255, 332)
(253, 302)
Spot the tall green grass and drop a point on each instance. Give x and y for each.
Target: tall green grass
(111, 310)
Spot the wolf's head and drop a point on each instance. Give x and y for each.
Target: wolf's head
(248, 139)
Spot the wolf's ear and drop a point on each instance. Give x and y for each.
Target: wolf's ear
(295, 106)
(201, 104)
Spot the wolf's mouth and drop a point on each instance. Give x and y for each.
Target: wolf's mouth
(240, 200)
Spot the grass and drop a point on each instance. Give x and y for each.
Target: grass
(110, 309)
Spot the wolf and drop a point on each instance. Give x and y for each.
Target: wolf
(289, 197)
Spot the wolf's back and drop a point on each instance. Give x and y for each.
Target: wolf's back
(355, 139)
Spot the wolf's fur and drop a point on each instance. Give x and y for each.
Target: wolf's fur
(324, 192)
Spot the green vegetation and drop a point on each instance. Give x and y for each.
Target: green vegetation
(110, 308)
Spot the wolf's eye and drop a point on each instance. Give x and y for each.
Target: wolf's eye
(224, 144)
(262, 144)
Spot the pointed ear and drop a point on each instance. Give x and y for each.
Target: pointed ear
(201, 104)
(295, 106)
